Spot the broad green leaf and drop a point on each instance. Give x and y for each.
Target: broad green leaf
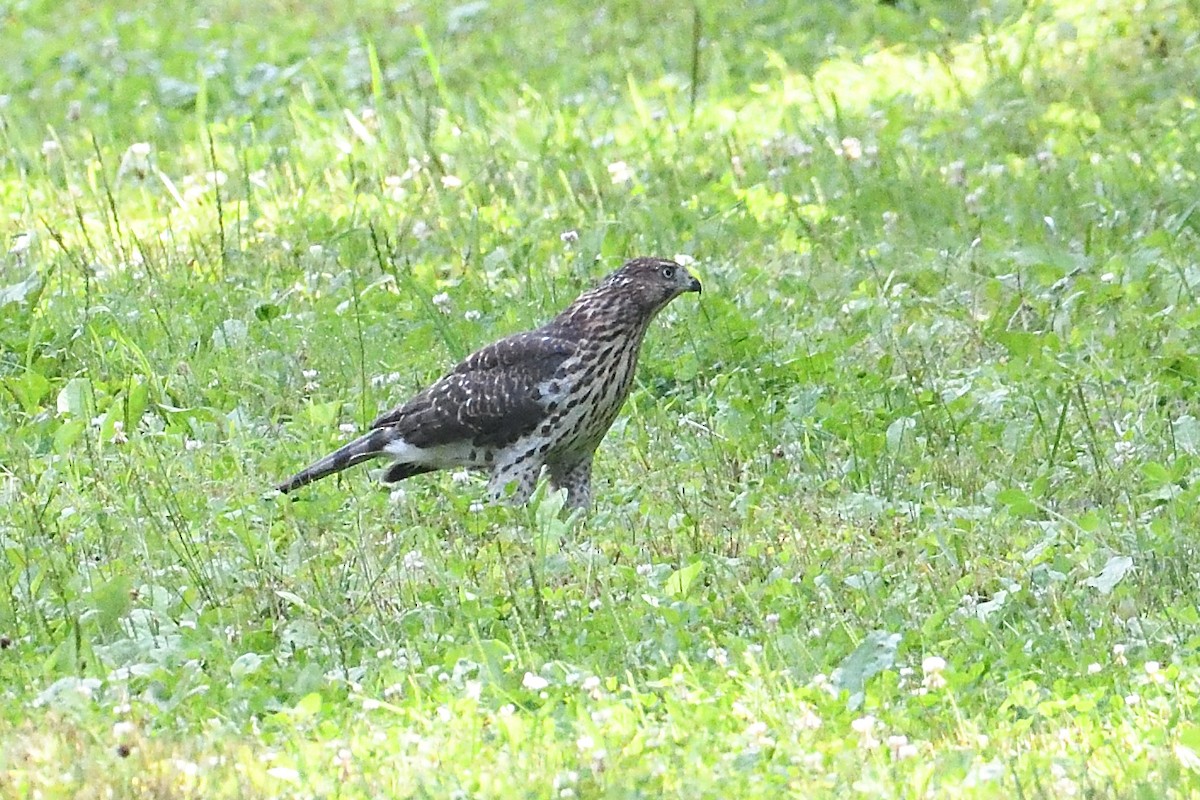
(898, 431)
(1018, 502)
(30, 388)
(1187, 434)
(876, 653)
(265, 312)
(1156, 473)
(76, 398)
(19, 291)
(115, 414)
(989, 607)
(112, 600)
(230, 333)
(681, 580)
(245, 665)
(308, 706)
(1187, 746)
(67, 434)
(138, 399)
(1108, 578)
(1021, 345)
(324, 415)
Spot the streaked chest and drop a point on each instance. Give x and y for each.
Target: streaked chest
(591, 389)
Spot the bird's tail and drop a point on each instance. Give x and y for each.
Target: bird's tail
(364, 448)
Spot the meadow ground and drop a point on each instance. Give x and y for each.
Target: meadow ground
(904, 506)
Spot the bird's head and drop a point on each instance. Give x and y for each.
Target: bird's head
(651, 283)
(629, 297)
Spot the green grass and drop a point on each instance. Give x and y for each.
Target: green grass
(904, 506)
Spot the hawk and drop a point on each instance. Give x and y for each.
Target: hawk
(539, 399)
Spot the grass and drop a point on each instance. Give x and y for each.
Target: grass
(904, 506)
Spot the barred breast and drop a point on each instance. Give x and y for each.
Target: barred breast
(596, 387)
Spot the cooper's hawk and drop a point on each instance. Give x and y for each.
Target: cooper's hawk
(544, 398)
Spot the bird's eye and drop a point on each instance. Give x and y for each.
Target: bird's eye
(668, 272)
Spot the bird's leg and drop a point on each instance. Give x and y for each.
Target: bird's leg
(522, 475)
(576, 478)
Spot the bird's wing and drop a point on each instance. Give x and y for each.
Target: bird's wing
(494, 396)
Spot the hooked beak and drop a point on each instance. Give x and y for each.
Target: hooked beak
(694, 286)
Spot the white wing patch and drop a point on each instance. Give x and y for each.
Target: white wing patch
(447, 456)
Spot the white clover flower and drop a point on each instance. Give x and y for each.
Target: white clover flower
(933, 667)
(413, 561)
(534, 683)
(864, 725)
(865, 728)
(287, 774)
(974, 201)
(620, 172)
(955, 173)
(756, 730)
(807, 718)
(933, 664)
